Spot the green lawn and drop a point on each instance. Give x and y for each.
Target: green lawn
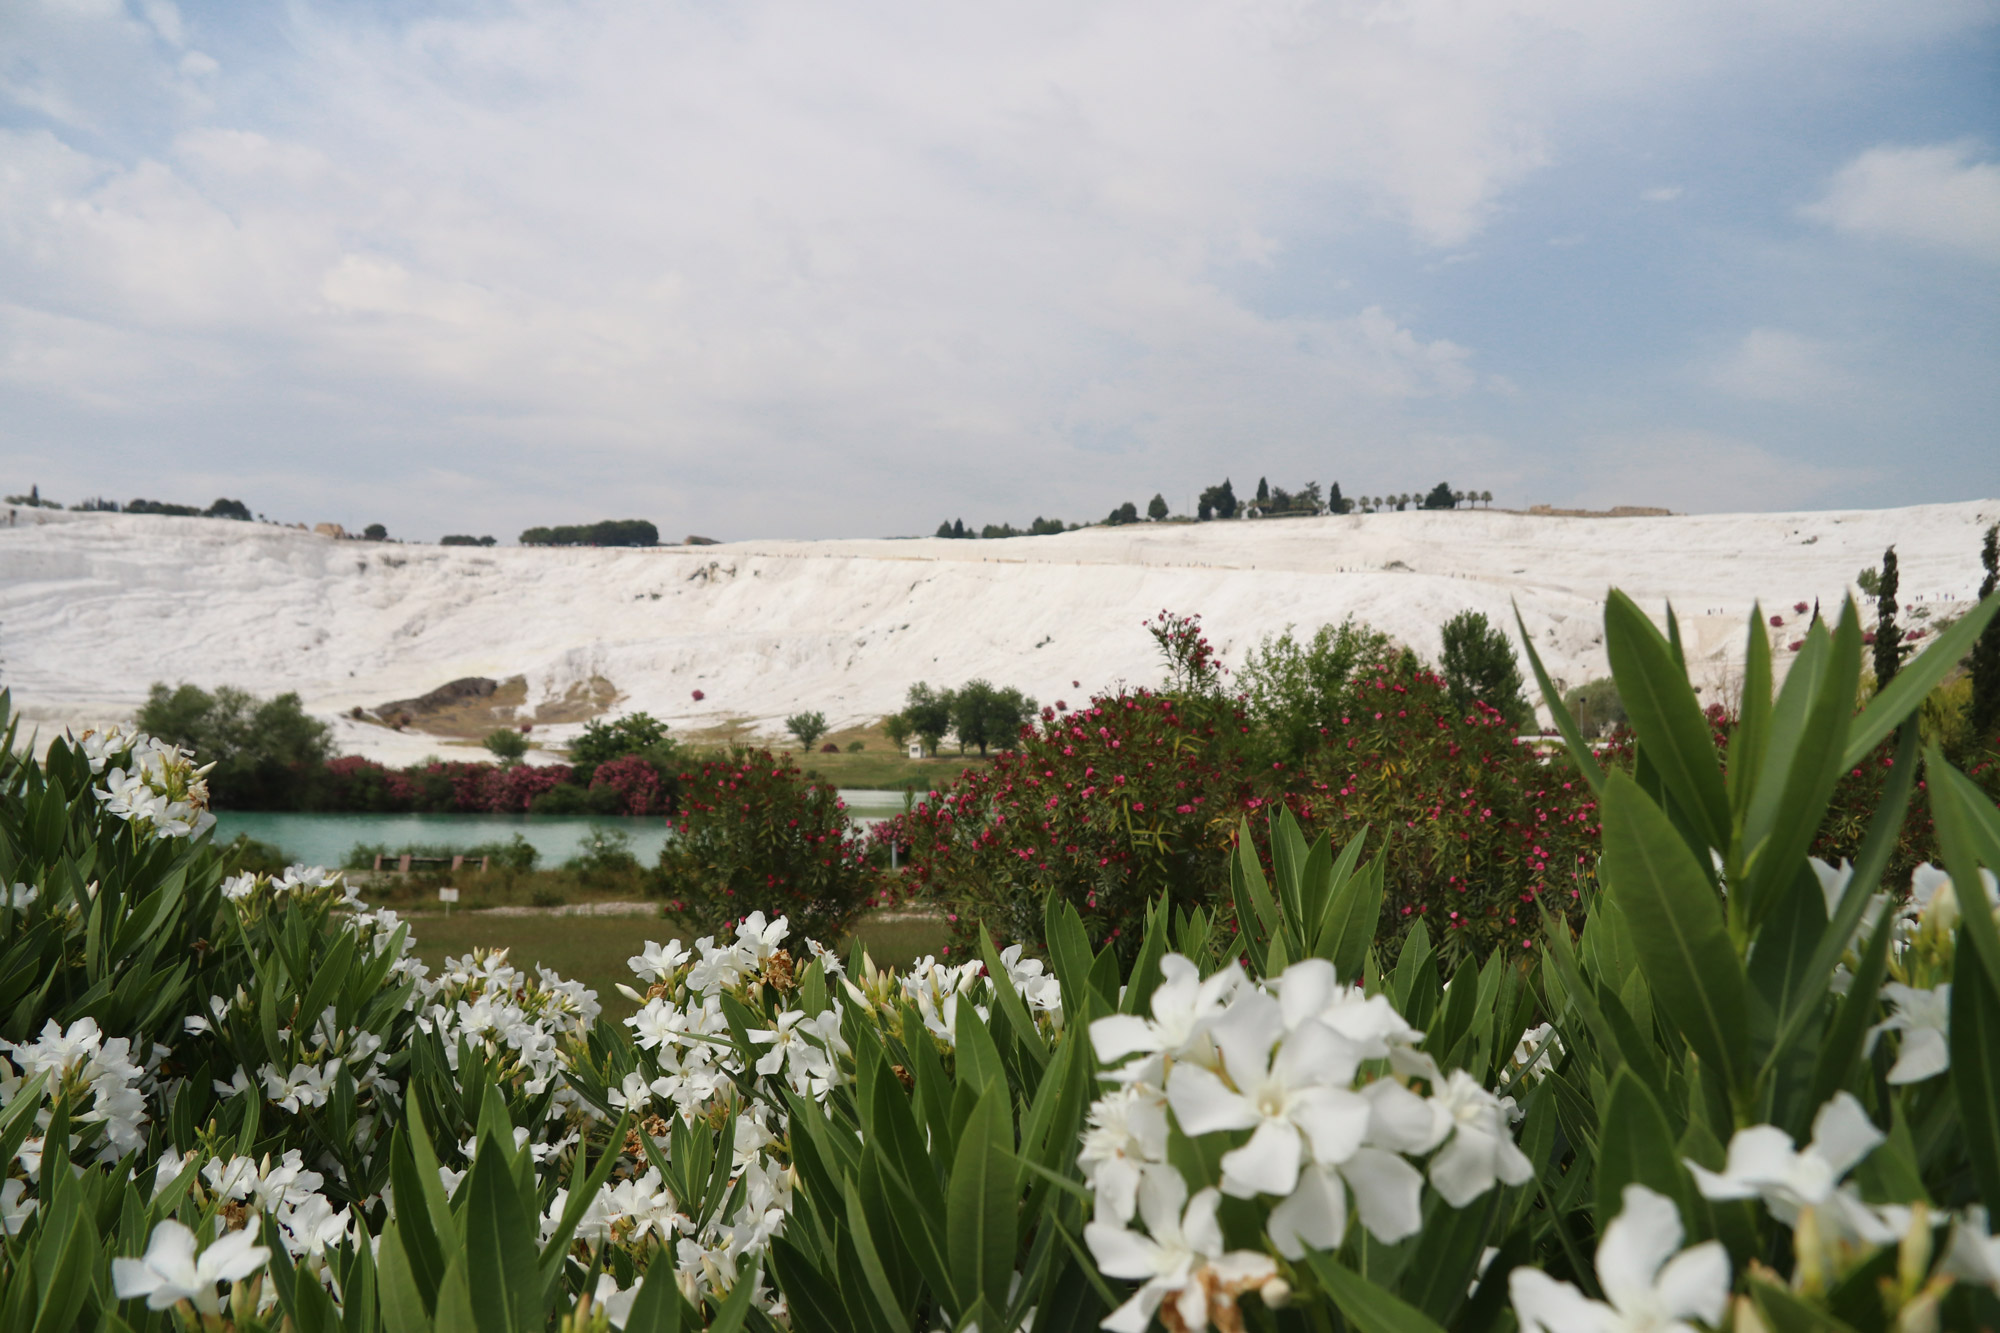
(593, 949)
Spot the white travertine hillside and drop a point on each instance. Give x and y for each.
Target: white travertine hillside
(95, 607)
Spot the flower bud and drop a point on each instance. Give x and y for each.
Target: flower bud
(1276, 1293)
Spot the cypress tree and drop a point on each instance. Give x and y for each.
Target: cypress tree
(1986, 649)
(1263, 491)
(1888, 636)
(1334, 503)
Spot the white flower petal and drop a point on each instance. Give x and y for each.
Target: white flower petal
(1267, 1164)
(1388, 1193)
(1843, 1134)
(1695, 1282)
(1204, 1104)
(1545, 1305)
(1644, 1235)
(1315, 1215)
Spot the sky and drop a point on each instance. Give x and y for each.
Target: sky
(781, 268)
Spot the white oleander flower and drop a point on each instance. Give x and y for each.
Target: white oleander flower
(1127, 1131)
(616, 1303)
(20, 896)
(1310, 990)
(171, 1272)
(1181, 1256)
(14, 1212)
(1648, 1287)
(1297, 1093)
(1974, 1255)
(1764, 1163)
(657, 962)
(1535, 1055)
(1923, 1017)
(1183, 1005)
(1480, 1150)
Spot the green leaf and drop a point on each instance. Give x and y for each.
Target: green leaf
(1366, 1306)
(1840, 1049)
(1579, 749)
(1786, 1313)
(737, 1307)
(657, 1307)
(1975, 1073)
(1753, 721)
(1636, 1147)
(1800, 773)
(1667, 717)
(979, 1222)
(1030, 1036)
(500, 1262)
(1353, 911)
(1969, 832)
(402, 1302)
(1918, 678)
(888, 1307)
(1684, 948)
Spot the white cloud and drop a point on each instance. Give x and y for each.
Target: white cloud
(1776, 365)
(860, 252)
(1938, 195)
(1662, 194)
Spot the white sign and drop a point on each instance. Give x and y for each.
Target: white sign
(447, 895)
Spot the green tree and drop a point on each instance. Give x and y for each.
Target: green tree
(1985, 713)
(1292, 689)
(1156, 509)
(929, 714)
(1441, 497)
(897, 728)
(1333, 500)
(267, 753)
(633, 734)
(1596, 706)
(985, 715)
(375, 532)
(1888, 634)
(1479, 664)
(1869, 581)
(806, 728)
(1219, 500)
(1125, 513)
(1263, 491)
(507, 744)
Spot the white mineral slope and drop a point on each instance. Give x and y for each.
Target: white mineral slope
(94, 608)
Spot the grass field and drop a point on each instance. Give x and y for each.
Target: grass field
(593, 949)
(878, 764)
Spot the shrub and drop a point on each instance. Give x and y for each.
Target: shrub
(1104, 808)
(1596, 706)
(754, 833)
(507, 744)
(461, 539)
(269, 754)
(636, 782)
(610, 532)
(1293, 691)
(634, 733)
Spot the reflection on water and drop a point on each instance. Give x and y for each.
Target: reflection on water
(326, 839)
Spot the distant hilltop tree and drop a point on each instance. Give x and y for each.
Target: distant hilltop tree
(611, 532)
(461, 539)
(1125, 513)
(1333, 501)
(222, 508)
(34, 500)
(95, 505)
(1156, 508)
(1442, 497)
(1041, 527)
(1217, 502)
(375, 532)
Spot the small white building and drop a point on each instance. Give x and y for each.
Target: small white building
(916, 749)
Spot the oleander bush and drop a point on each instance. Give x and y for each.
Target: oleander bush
(1754, 1091)
(754, 834)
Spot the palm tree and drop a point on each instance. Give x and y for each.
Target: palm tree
(1487, 496)
(1457, 499)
